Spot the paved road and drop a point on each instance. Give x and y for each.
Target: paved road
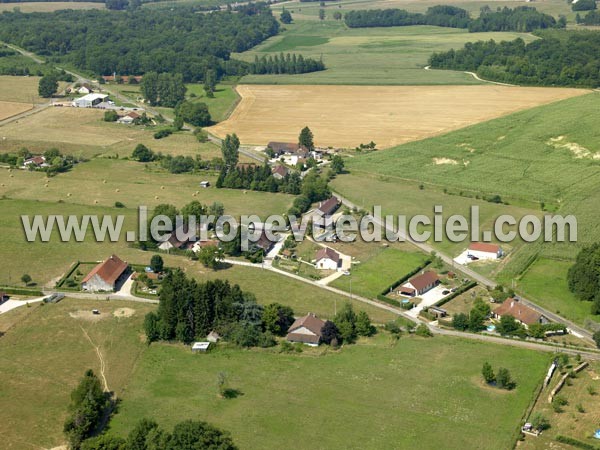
(586, 334)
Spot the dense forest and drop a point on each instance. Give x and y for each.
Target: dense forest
(136, 42)
(523, 18)
(561, 58)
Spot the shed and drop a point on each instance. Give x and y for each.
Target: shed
(200, 347)
(213, 336)
(205, 184)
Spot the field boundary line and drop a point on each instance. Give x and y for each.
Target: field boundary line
(477, 77)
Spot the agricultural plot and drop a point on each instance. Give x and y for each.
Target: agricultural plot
(45, 353)
(9, 109)
(20, 89)
(42, 7)
(310, 11)
(82, 132)
(372, 276)
(345, 116)
(367, 56)
(377, 386)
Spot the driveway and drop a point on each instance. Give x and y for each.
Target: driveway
(429, 298)
(9, 305)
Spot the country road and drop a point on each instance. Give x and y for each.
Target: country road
(587, 335)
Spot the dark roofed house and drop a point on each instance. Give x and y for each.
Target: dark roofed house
(279, 171)
(327, 258)
(288, 148)
(106, 275)
(306, 330)
(329, 206)
(522, 313)
(35, 161)
(420, 284)
(263, 243)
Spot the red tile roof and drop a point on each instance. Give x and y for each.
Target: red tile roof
(109, 270)
(280, 170)
(428, 278)
(326, 252)
(287, 147)
(484, 247)
(521, 312)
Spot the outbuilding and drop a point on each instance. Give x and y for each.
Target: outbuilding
(90, 100)
(200, 347)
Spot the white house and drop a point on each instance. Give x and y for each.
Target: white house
(89, 100)
(85, 89)
(484, 250)
(307, 330)
(327, 259)
(129, 118)
(420, 284)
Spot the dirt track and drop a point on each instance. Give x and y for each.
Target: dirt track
(345, 116)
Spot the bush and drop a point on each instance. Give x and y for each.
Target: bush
(423, 331)
(111, 116)
(119, 205)
(163, 133)
(575, 443)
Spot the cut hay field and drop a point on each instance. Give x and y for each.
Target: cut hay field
(345, 116)
(9, 109)
(82, 132)
(44, 354)
(367, 56)
(303, 10)
(20, 89)
(42, 7)
(372, 395)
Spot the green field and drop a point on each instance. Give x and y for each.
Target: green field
(372, 276)
(45, 353)
(368, 56)
(545, 282)
(368, 396)
(545, 154)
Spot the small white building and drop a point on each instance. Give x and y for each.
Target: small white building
(90, 100)
(327, 259)
(85, 89)
(484, 250)
(129, 118)
(200, 347)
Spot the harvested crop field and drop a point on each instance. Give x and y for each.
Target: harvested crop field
(345, 116)
(9, 109)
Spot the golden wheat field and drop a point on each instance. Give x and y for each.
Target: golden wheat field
(345, 116)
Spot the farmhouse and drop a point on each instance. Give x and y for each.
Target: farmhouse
(522, 313)
(90, 100)
(288, 148)
(178, 238)
(420, 284)
(129, 118)
(35, 161)
(484, 250)
(123, 78)
(106, 275)
(85, 89)
(327, 259)
(329, 206)
(306, 330)
(279, 172)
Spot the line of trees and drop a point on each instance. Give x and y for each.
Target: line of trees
(583, 5)
(584, 277)
(522, 18)
(175, 164)
(591, 18)
(562, 58)
(288, 64)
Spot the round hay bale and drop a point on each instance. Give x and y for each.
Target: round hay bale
(95, 202)
(45, 185)
(156, 197)
(104, 181)
(11, 175)
(162, 187)
(68, 194)
(117, 190)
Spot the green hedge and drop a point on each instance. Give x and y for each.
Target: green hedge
(404, 278)
(389, 301)
(21, 291)
(68, 274)
(575, 443)
(459, 291)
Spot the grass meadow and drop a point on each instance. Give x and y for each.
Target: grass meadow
(373, 275)
(367, 56)
(545, 282)
(310, 11)
(44, 353)
(42, 7)
(82, 132)
(371, 395)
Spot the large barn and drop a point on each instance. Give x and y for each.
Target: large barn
(106, 275)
